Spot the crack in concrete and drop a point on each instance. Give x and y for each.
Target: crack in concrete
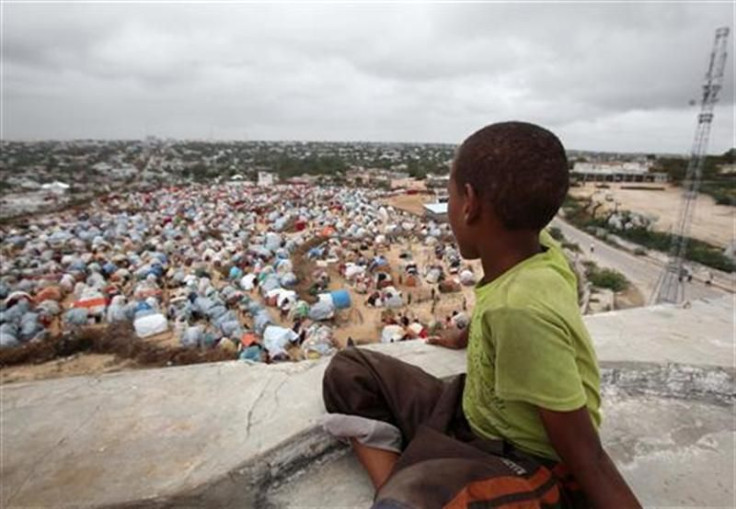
(249, 419)
(276, 392)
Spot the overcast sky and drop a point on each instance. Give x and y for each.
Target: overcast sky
(614, 77)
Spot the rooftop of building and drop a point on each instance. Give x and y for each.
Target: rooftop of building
(436, 208)
(238, 435)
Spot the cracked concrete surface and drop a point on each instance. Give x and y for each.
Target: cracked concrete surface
(225, 434)
(673, 453)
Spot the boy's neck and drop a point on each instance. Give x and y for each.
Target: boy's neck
(506, 250)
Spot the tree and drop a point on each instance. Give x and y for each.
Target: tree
(729, 156)
(606, 278)
(556, 233)
(415, 170)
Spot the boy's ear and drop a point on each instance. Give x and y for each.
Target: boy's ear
(471, 210)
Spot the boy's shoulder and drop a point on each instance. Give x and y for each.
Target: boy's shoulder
(545, 283)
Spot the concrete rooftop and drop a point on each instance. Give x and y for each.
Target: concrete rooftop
(233, 434)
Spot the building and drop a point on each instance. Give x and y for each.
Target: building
(265, 179)
(437, 181)
(436, 212)
(56, 187)
(410, 184)
(616, 172)
(121, 171)
(727, 169)
(237, 180)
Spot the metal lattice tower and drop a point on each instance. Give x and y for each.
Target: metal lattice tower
(670, 287)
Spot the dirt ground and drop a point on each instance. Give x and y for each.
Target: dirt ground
(629, 298)
(363, 322)
(410, 202)
(80, 364)
(711, 223)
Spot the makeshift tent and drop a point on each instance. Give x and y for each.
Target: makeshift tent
(392, 333)
(324, 309)
(318, 342)
(150, 325)
(467, 278)
(191, 336)
(340, 299)
(276, 339)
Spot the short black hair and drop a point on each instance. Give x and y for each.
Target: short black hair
(517, 168)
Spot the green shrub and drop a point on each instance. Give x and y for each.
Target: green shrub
(556, 233)
(606, 278)
(572, 246)
(711, 256)
(611, 241)
(697, 250)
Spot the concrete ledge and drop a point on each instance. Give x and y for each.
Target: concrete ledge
(673, 453)
(706, 384)
(269, 476)
(702, 334)
(249, 484)
(223, 434)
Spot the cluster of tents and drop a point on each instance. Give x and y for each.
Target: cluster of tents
(214, 266)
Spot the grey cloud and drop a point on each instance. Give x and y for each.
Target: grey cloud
(377, 72)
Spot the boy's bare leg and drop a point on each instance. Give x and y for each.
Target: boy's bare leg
(377, 462)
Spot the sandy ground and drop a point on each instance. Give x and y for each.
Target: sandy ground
(410, 202)
(80, 364)
(363, 322)
(630, 298)
(711, 223)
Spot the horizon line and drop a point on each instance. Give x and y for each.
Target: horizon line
(343, 142)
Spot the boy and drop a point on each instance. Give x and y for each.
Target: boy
(520, 429)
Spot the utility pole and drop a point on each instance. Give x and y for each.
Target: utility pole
(670, 286)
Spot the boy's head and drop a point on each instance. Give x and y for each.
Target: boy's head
(510, 176)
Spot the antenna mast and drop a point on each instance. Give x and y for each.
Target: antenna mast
(670, 287)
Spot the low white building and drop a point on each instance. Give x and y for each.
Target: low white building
(265, 179)
(437, 181)
(238, 180)
(436, 212)
(56, 187)
(727, 169)
(617, 172)
(122, 171)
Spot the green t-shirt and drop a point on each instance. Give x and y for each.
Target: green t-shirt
(528, 347)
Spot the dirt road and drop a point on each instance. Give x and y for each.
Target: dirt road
(641, 271)
(711, 223)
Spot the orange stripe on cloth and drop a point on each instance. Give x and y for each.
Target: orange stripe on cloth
(549, 497)
(528, 504)
(90, 303)
(496, 487)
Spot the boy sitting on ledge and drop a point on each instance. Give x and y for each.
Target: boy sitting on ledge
(521, 428)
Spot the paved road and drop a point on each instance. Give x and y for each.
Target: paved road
(641, 271)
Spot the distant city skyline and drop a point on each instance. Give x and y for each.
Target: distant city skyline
(604, 77)
(346, 142)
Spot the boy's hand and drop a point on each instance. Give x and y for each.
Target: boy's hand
(453, 338)
(576, 441)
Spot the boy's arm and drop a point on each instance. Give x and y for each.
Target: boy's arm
(576, 441)
(456, 339)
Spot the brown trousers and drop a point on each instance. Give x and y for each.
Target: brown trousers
(443, 464)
